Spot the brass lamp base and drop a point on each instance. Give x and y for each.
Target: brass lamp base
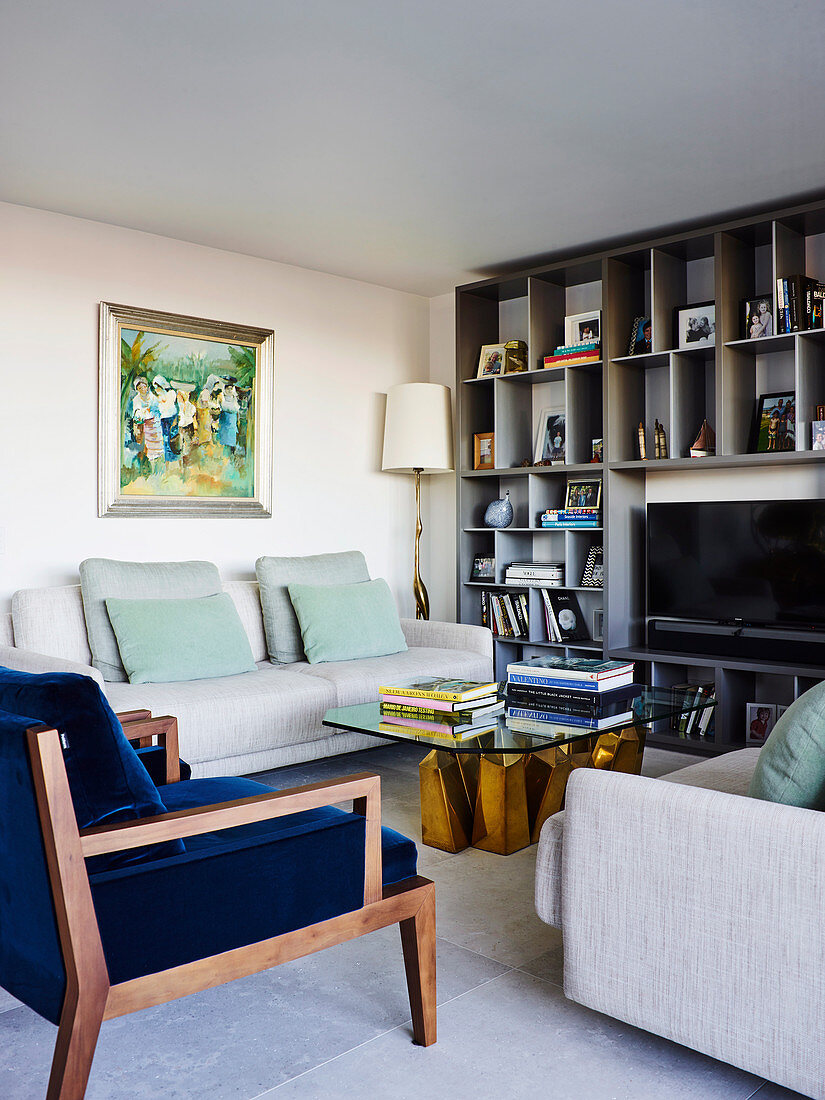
(422, 600)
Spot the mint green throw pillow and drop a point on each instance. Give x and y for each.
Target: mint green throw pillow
(791, 765)
(342, 622)
(162, 641)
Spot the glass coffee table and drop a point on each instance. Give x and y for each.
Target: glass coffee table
(494, 789)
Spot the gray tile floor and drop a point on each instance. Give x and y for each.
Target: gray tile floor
(337, 1024)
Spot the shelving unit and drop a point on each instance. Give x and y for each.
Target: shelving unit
(724, 264)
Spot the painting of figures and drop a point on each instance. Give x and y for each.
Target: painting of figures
(187, 417)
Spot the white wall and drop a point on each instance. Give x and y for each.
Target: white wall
(340, 345)
(440, 556)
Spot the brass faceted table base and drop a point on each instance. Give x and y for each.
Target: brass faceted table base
(499, 801)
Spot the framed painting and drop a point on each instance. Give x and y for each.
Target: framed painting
(185, 422)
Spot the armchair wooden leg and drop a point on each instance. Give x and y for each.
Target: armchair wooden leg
(75, 1048)
(418, 944)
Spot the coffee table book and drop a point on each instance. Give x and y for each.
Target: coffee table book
(436, 688)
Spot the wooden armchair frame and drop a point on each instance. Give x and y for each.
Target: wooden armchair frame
(91, 998)
(139, 726)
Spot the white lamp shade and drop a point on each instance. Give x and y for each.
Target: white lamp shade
(418, 429)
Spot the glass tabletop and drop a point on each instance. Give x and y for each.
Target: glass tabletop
(508, 731)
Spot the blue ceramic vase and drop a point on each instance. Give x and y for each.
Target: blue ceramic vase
(499, 512)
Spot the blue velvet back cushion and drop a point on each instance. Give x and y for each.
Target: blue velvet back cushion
(31, 966)
(106, 778)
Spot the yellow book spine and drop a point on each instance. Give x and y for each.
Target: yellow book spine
(411, 693)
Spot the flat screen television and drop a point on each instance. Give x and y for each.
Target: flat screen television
(761, 563)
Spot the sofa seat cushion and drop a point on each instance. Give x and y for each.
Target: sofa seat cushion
(236, 886)
(358, 681)
(730, 773)
(234, 715)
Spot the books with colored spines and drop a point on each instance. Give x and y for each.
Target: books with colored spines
(581, 673)
(438, 688)
(585, 704)
(449, 717)
(506, 614)
(524, 724)
(449, 733)
(572, 518)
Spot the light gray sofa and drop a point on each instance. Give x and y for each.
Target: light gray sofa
(695, 913)
(264, 719)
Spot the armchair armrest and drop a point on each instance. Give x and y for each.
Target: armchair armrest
(140, 726)
(26, 660)
(423, 632)
(364, 789)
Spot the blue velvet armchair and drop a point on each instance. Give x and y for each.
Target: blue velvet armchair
(117, 893)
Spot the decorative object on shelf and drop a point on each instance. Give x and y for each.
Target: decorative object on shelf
(641, 337)
(642, 443)
(696, 325)
(525, 462)
(757, 317)
(584, 494)
(598, 624)
(820, 412)
(760, 718)
(818, 435)
(659, 440)
(507, 358)
(705, 442)
(775, 423)
(582, 328)
(550, 437)
(593, 573)
(418, 439)
(596, 450)
(484, 451)
(499, 512)
(484, 568)
(185, 415)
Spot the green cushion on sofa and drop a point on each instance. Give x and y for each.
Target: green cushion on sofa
(342, 622)
(791, 765)
(283, 634)
(167, 640)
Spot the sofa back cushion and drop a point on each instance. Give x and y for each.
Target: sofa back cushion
(101, 578)
(51, 621)
(283, 634)
(106, 778)
(791, 765)
(247, 600)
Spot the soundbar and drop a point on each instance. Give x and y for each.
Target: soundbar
(804, 647)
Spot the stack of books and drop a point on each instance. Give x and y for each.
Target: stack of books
(572, 518)
(505, 614)
(578, 692)
(535, 574)
(434, 706)
(571, 355)
(799, 301)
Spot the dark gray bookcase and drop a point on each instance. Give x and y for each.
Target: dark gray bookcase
(723, 263)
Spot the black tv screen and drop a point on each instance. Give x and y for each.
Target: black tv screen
(759, 562)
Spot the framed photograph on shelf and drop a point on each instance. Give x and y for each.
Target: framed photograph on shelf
(185, 415)
(593, 572)
(757, 314)
(484, 451)
(550, 437)
(775, 423)
(760, 718)
(597, 450)
(484, 568)
(598, 625)
(583, 494)
(818, 435)
(491, 360)
(641, 337)
(696, 325)
(582, 328)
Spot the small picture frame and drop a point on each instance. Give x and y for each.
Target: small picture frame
(584, 494)
(484, 568)
(775, 423)
(757, 317)
(818, 435)
(596, 450)
(696, 325)
(780, 710)
(760, 718)
(641, 337)
(583, 328)
(491, 360)
(597, 632)
(484, 451)
(551, 437)
(593, 572)
(820, 412)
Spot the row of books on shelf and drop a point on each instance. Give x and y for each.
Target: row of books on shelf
(541, 574)
(696, 722)
(571, 355)
(506, 614)
(799, 302)
(535, 574)
(571, 518)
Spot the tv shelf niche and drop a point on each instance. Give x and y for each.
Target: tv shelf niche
(724, 263)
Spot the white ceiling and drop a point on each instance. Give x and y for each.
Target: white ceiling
(414, 145)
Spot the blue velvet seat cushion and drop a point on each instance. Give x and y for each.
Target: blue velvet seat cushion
(106, 778)
(236, 886)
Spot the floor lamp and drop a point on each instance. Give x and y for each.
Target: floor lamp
(418, 439)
